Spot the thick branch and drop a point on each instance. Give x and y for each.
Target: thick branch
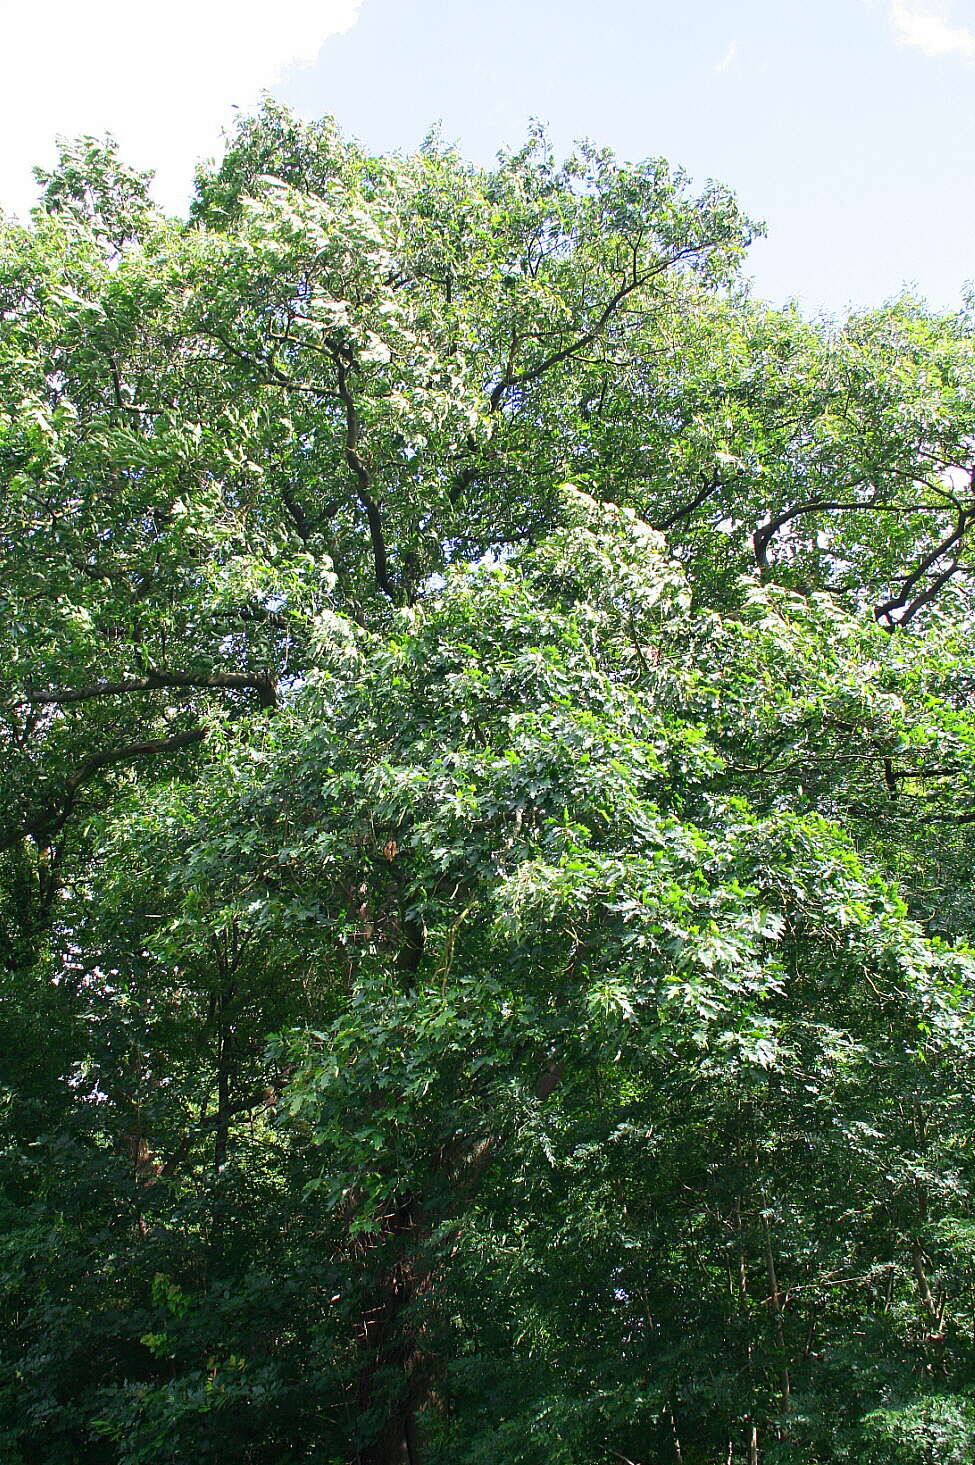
(937, 584)
(362, 478)
(763, 536)
(899, 602)
(156, 680)
(684, 512)
(47, 822)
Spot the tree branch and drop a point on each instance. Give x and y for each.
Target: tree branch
(262, 1099)
(47, 822)
(632, 282)
(684, 512)
(899, 602)
(156, 680)
(362, 478)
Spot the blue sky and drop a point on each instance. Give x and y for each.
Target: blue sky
(855, 148)
(847, 125)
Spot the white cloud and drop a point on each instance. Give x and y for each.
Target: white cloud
(728, 59)
(930, 31)
(162, 78)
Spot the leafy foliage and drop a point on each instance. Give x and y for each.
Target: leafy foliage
(485, 866)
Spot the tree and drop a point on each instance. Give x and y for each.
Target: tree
(487, 817)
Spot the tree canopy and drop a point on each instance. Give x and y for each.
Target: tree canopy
(487, 840)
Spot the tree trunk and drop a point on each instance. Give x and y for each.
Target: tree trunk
(775, 1303)
(391, 1377)
(395, 1359)
(221, 1133)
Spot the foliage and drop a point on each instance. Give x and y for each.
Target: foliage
(938, 1429)
(485, 865)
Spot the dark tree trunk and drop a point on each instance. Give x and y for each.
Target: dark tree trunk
(221, 1134)
(391, 1380)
